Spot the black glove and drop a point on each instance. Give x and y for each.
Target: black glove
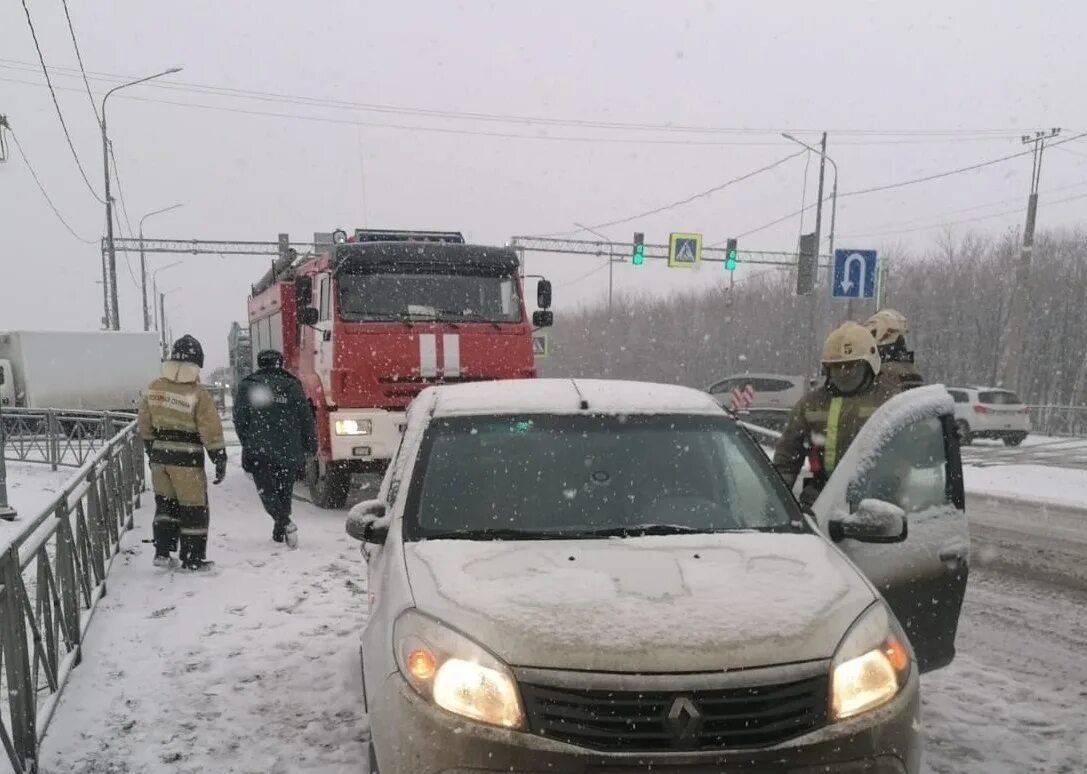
(219, 458)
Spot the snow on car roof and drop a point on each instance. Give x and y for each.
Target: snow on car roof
(565, 396)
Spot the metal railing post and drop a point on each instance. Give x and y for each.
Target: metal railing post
(70, 544)
(52, 428)
(21, 694)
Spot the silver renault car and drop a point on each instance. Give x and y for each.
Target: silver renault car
(600, 576)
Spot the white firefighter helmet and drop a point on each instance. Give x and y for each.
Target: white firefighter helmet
(849, 343)
(886, 326)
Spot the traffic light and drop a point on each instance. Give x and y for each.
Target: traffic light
(638, 257)
(730, 255)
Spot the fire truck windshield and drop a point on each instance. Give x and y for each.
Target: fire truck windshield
(429, 296)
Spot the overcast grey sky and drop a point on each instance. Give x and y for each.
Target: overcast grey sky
(988, 69)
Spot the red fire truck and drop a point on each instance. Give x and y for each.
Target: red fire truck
(368, 320)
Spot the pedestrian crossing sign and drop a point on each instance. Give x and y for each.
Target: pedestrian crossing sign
(684, 250)
(541, 345)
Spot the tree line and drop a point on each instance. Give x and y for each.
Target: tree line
(956, 295)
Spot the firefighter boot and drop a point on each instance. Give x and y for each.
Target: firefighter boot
(193, 549)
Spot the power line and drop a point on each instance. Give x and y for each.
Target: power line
(120, 191)
(1009, 133)
(687, 200)
(912, 221)
(79, 58)
(904, 183)
(37, 180)
(56, 104)
(1018, 211)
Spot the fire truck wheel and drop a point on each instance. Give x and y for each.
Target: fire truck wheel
(328, 484)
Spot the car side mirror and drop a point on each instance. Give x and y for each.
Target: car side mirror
(543, 319)
(874, 521)
(309, 316)
(366, 522)
(543, 294)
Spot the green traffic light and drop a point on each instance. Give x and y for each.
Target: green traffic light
(639, 255)
(730, 260)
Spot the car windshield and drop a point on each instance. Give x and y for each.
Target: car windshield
(588, 476)
(429, 296)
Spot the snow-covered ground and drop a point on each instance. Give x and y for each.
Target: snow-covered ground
(255, 669)
(31, 487)
(1062, 486)
(252, 669)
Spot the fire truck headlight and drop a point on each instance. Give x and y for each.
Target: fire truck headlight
(353, 427)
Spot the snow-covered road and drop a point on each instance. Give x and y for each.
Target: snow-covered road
(1012, 702)
(255, 669)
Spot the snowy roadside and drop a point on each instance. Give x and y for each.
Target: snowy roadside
(1037, 483)
(252, 669)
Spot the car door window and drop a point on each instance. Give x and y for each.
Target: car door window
(910, 471)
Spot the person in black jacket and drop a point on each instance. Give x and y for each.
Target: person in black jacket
(275, 426)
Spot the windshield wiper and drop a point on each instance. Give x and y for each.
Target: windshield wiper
(495, 533)
(403, 317)
(640, 530)
(464, 316)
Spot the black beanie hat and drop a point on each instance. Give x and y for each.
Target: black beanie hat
(188, 350)
(269, 358)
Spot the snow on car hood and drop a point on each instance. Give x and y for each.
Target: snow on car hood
(648, 604)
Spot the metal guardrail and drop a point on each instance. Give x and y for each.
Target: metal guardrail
(58, 437)
(1065, 421)
(53, 571)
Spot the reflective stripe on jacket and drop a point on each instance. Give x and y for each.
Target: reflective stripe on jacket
(178, 417)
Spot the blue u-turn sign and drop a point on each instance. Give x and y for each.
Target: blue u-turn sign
(854, 274)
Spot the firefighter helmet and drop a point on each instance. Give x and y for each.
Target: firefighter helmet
(887, 326)
(851, 342)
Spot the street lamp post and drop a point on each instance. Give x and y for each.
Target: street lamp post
(143, 266)
(155, 286)
(611, 264)
(113, 321)
(162, 318)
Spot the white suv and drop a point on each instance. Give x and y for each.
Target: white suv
(990, 412)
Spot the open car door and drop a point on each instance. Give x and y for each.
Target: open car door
(907, 455)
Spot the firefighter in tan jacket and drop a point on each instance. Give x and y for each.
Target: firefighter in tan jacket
(178, 424)
(827, 420)
(889, 329)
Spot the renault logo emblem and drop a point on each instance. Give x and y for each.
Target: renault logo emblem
(685, 720)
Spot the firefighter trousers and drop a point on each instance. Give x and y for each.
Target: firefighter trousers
(181, 510)
(275, 485)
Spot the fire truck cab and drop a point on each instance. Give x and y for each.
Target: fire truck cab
(369, 320)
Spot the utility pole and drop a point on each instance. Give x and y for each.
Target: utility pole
(1012, 356)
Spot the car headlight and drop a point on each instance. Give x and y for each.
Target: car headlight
(455, 673)
(871, 666)
(353, 426)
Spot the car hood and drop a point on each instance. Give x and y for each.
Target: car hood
(648, 604)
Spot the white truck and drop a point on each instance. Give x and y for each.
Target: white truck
(86, 370)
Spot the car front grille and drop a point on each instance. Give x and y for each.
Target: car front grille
(648, 721)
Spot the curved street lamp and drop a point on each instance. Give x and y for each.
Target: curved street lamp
(113, 321)
(143, 265)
